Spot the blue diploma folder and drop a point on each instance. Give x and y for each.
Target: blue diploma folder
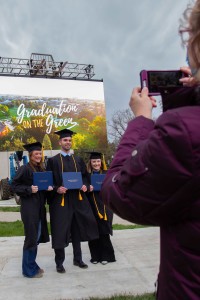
(72, 180)
(43, 180)
(97, 180)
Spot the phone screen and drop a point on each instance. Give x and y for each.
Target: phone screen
(163, 79)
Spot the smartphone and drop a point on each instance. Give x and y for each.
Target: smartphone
(161, 81)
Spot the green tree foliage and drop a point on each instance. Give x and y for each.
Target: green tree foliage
(4, 110)
(18, 144)
(79, 141)
(97, 130)
(12, 145)
(87, 114)
(19, 132)
(5, 146)
(47, 143)
(31, 140)
(84, 124)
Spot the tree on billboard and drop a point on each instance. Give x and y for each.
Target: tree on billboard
(19, 133)
(5, 146)
(31, 140)
(18, 144)
(84, 124)
(13, 145)
(79, 141)
(97, 129)
(87, 114)
(4, 110)
(47, 143)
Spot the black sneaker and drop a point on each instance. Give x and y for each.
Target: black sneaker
(93, 261)
(80, 264)
(60, 269)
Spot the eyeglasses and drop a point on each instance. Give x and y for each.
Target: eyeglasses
(185, 35)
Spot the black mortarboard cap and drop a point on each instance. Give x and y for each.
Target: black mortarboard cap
(95, 155)
(33, 146)
(65, 133)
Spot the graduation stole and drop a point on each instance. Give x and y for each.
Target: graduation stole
(104, 207)
(63, 195)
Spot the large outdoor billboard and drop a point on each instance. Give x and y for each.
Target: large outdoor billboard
(33, 108)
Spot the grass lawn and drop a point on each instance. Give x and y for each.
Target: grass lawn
(16, 228)
(10, 209)
(15, 208)
(10, 229)
(124, 297)
(122, 227)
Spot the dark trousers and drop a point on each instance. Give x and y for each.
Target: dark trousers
(76, 244)
(102, 249)
(29, 265)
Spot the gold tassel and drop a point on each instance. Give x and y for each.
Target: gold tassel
(104, 166)
(43, 154)
(80, 196)
(100, 215)
(63, 200)
(105, 215)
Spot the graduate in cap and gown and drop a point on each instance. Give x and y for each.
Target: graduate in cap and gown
(33, 211)
(101, 249)
(71, 216)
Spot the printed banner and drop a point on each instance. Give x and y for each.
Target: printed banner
(31, 109)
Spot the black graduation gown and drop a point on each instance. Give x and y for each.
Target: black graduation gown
(32, 207)
(61, 216)
(101, 249)
(104, 226)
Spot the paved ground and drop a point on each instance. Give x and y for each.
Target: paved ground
(134, 272)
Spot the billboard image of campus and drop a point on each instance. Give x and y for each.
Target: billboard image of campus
(32, 109)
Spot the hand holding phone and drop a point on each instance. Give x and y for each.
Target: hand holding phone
(141, 104)
(161, 82)
(188, 80)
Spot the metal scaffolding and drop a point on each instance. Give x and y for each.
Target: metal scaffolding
(44, 65)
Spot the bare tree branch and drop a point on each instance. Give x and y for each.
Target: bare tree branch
(119, 123)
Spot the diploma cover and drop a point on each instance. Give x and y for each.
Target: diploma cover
(72, 180)
(97, 180)
(43, 180)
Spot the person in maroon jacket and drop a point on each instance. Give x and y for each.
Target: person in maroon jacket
(154, 178)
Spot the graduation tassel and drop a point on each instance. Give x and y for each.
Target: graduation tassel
(100, 215)
(105, 215)
(43, 154)
(63, 200)
(80, 196)
(104, 166)
(98, 212)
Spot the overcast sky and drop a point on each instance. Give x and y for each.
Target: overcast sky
(119, 37)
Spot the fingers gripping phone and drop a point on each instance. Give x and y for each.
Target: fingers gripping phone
(159, 82)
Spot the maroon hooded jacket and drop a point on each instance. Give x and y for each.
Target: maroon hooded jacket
(154, 179)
